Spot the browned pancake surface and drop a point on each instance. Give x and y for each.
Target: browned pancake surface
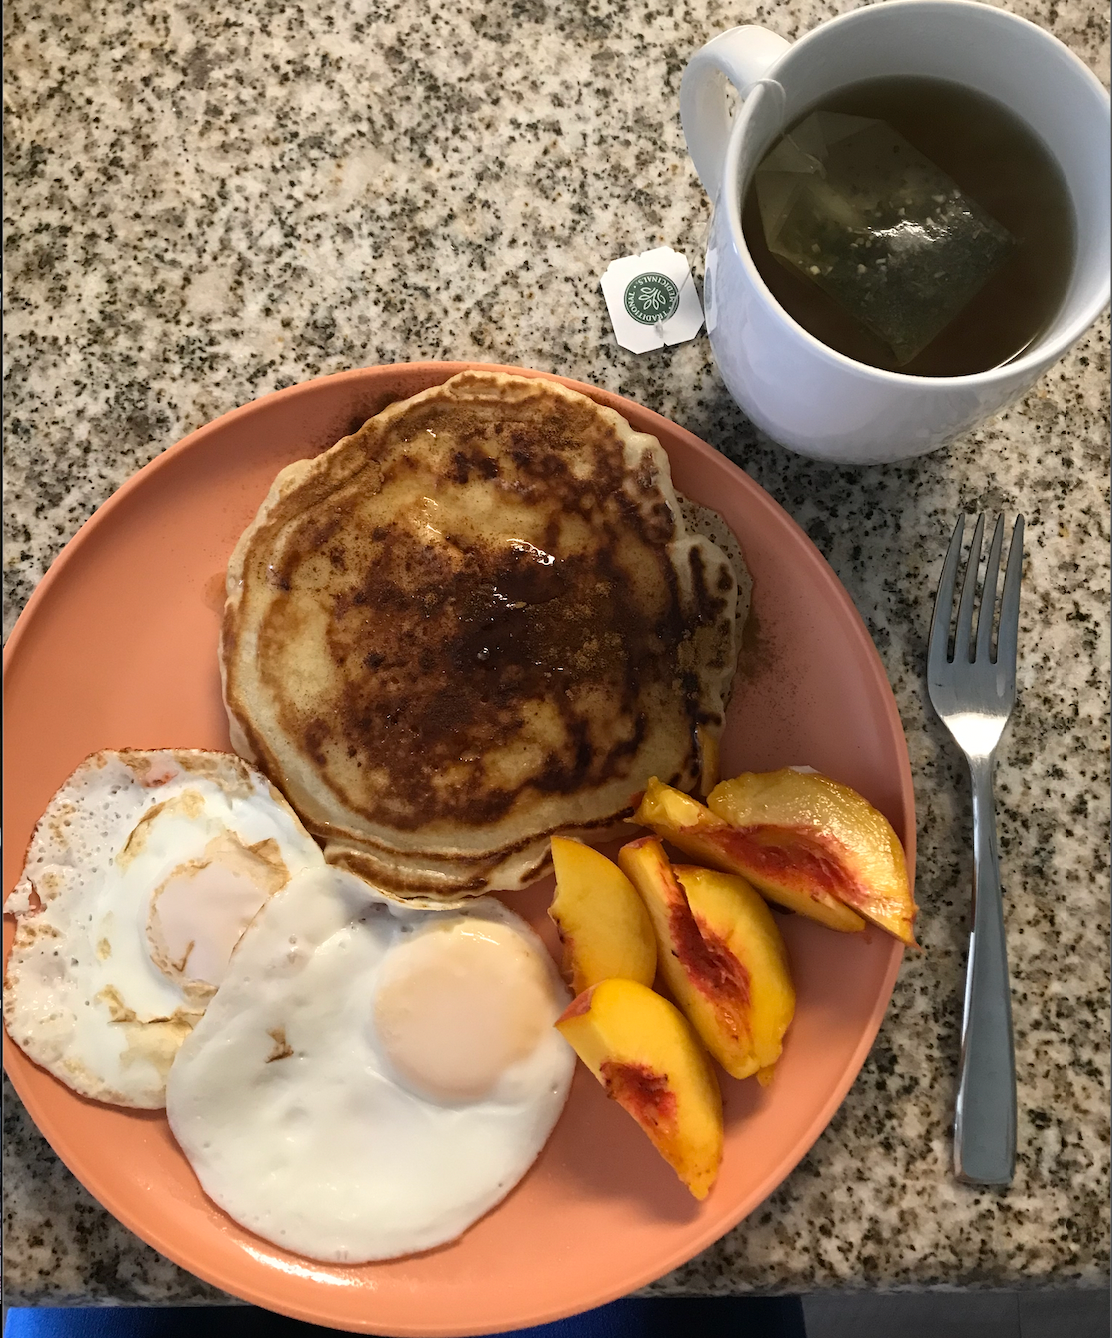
(471, 617)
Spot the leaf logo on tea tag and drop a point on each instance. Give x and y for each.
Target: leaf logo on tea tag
(652, 300)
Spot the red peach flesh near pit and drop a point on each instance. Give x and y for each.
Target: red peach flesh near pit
(708, 962)
(793, 855)
(641, 1092)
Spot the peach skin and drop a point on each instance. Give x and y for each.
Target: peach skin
(798, 831)
(603, 924)
(694, 829)
(648, 1059)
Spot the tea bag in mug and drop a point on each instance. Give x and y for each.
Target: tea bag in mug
(862, 213)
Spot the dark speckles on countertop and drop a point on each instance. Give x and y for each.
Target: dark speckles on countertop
(203, 206)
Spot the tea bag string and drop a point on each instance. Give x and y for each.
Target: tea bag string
(660, 322)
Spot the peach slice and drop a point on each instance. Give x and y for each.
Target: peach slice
(694, 829)
(648, 1059)
(603, 924)
(721, 954)
(798, 831)
(730, 911)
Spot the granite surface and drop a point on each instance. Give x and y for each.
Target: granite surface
(204, 205)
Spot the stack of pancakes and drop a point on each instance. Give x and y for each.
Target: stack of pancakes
(483, 618)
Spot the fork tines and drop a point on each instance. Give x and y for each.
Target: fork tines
(963, 625)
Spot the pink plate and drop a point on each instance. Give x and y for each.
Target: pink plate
(117, 647)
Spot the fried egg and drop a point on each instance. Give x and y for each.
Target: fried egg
(369, 1080)
(140, 879)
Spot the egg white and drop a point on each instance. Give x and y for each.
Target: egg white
(286, 1104)
(82, 995)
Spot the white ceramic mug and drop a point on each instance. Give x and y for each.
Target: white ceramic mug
(803, 394)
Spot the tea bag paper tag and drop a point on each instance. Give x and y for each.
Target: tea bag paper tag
(652, 300)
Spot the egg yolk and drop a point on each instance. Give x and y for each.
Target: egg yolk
(199, 914)
(458, 1004)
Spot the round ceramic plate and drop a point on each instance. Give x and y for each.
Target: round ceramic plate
(117, 648)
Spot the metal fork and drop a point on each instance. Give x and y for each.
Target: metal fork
(973, 693)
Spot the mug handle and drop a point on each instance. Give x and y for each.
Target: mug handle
(744, 55)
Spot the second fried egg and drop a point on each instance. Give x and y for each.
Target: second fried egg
(140, 879)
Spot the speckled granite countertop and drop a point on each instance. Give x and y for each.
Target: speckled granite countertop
(203, 206)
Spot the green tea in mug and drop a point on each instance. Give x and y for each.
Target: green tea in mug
(914, 225)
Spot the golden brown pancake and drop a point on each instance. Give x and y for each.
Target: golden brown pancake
(479, 620)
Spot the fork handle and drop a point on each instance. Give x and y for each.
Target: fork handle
(985, 1118)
